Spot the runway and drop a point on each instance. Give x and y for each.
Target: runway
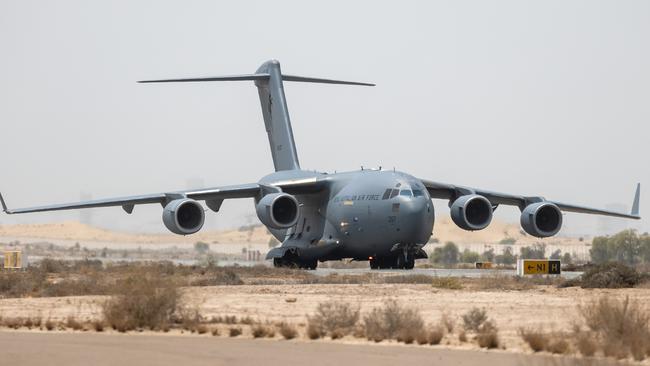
(438, 272)
(70, 349)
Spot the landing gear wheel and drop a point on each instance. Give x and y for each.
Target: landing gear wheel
(374, 263)
(400, 261)
(410, 263)
(311, 264)
(279, 263)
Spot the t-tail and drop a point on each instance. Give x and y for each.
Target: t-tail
(269, 81)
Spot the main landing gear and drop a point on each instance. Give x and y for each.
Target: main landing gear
(403, 260)
(294, 262)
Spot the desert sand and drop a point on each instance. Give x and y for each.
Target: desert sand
(547, 307)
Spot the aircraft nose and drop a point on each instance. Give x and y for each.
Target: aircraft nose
(415, 215)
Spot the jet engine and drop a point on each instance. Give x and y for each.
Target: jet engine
(183, 216)
(541, 219)
(278, 210)
(471, 212)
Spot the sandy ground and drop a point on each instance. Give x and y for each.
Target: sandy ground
(547, 307)
(35, 348)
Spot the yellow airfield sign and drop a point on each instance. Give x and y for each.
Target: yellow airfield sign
(538, 266)
(14, 259)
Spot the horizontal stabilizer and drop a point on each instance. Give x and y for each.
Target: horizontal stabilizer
(216, 78)
(322, 81)
(254, 77)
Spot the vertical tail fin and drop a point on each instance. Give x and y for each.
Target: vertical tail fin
(268, 79)
(276, 117)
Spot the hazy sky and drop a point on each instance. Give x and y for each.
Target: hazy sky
(544, 98)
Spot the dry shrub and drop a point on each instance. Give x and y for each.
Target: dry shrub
(406, 279)
(260, 331)
(422, 338)
(488, 339)
(450, 283)
(487, 336)
(314, 331)
(234, 331)
(497, 281)
(586, 344)
(223, 277)
(462, 336)
(392, 321)
(288, 331)
(49, 325)
(408, 336)
(215, 331)
(622, 326)
(13, 323)
(332, 316)
(337, 333)
(247, 320)
(228, 319)
(558, 345)
(535, 338)
(201, 329)
(474, 319)
(189, 319)
(73, 323)
(142, 302)
(359, 331)
(38, 321)
(448, 322)
(433, 336)
(98, 325)
(610, 275)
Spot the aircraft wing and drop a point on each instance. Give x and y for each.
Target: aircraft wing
(213, 197)
(450, 191)
(210, 195)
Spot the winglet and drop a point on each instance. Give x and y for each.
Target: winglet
(635, 205)
(4, 205)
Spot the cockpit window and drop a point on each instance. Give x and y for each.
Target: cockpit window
(394, 193)
(418, 193)
(406, 192)
(386, 194)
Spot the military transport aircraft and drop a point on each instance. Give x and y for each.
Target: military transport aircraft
(382, 216)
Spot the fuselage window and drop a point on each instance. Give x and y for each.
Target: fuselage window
(406, 192)
(418, 193)
(386, 194)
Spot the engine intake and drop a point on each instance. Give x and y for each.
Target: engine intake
(541, 219)
(183, 216)
(472, 212)
(278, 210)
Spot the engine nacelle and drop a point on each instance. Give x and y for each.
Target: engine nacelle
(183, 216)
(278, 210)
(472, 212)
(541, 219)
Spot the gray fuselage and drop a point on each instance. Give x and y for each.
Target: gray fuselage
(358, 214)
